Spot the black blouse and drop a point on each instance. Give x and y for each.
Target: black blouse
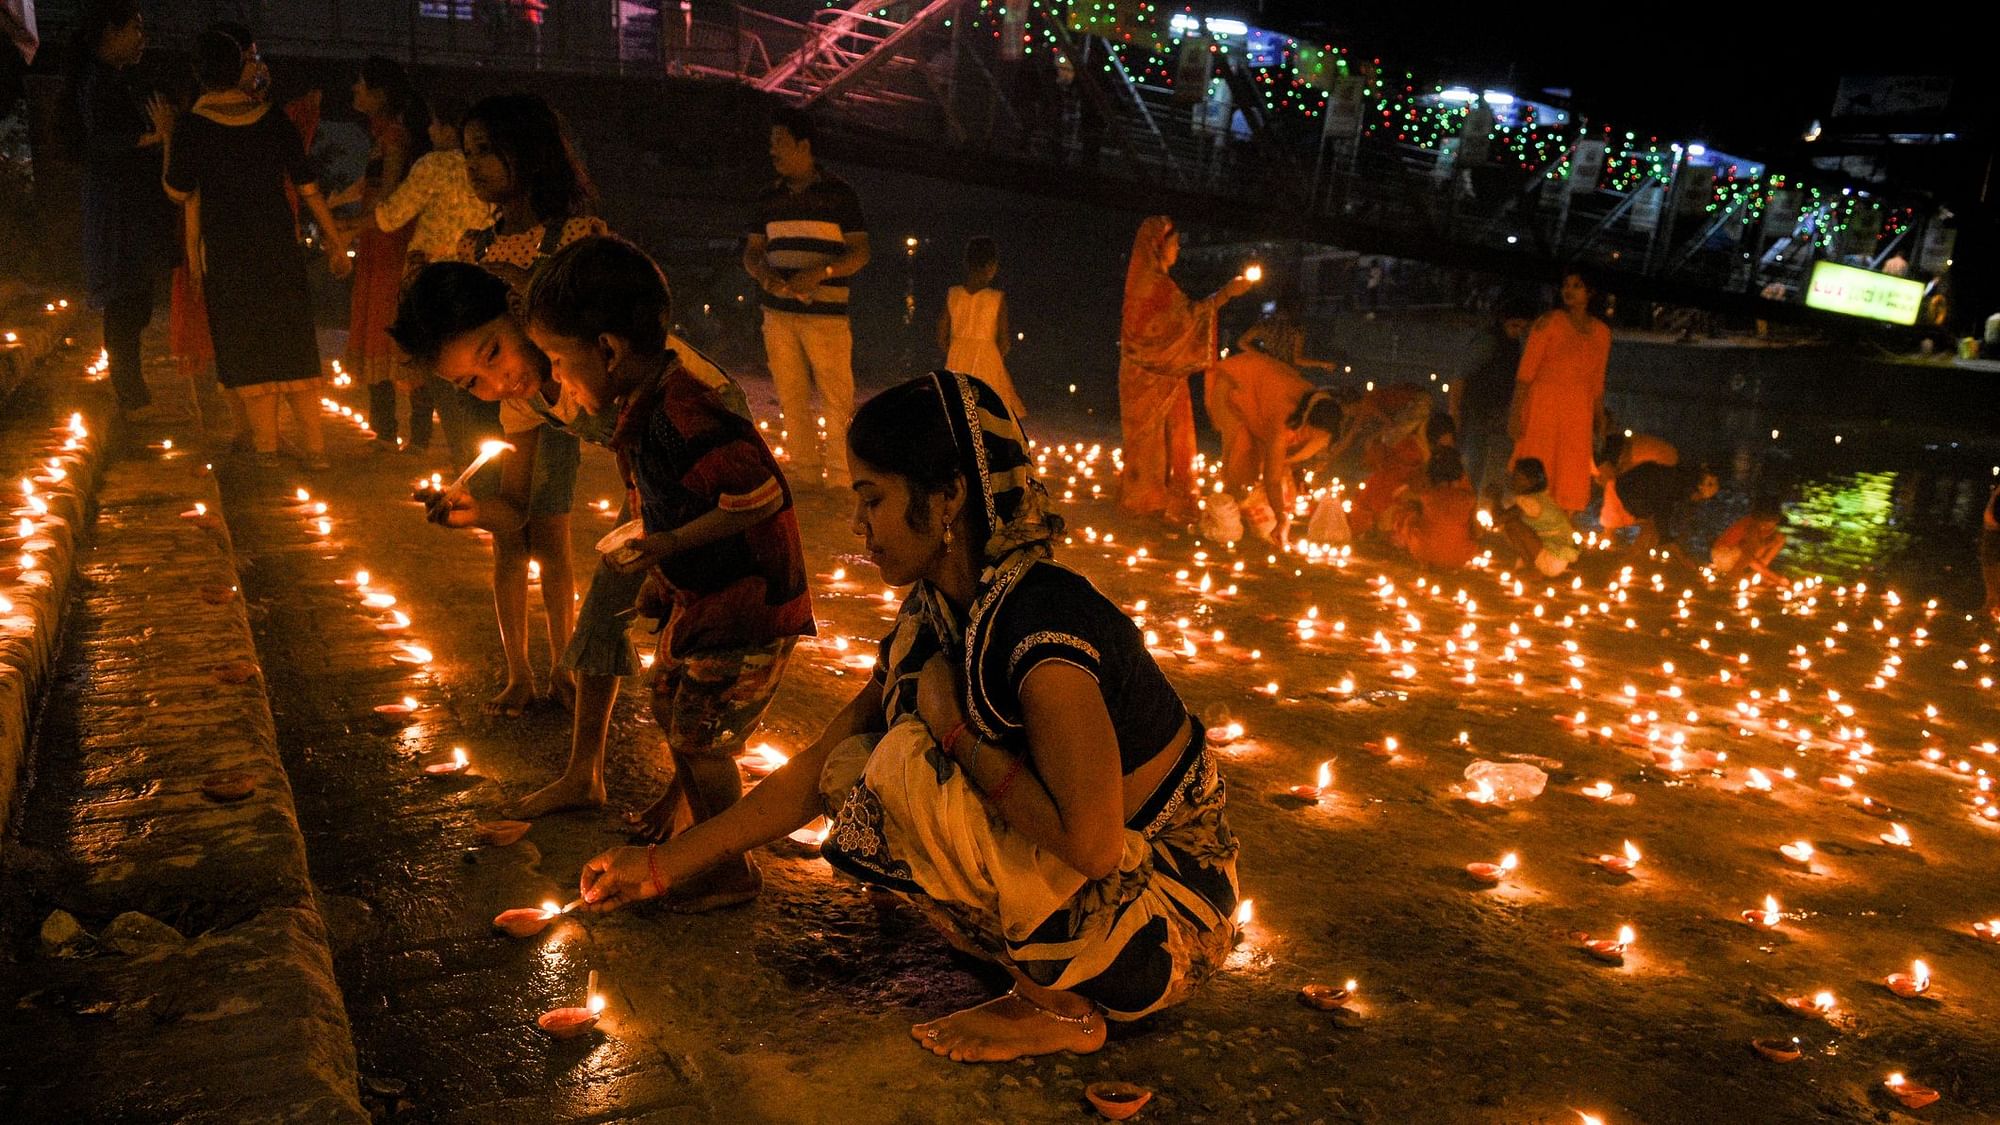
(1049, 612)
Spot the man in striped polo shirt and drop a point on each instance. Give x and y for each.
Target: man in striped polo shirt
(807, 240)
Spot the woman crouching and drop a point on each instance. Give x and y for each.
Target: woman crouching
(1018, 766)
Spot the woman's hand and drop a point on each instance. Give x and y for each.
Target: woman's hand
(937, 697)
(164, 116)
(619, 877)
(456, 509)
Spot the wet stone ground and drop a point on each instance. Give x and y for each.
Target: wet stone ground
(1473, 1004)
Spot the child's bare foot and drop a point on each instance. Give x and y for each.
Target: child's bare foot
(512, 700)
(655, 822)
(1009, 1027)
(560, 795)
(729, 883)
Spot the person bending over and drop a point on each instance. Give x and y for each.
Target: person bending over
(1751, 544)
(1661, 497)
(1018, 766)
(1271, 419)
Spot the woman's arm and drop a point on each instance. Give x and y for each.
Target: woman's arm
(782, 803)
(409, 199)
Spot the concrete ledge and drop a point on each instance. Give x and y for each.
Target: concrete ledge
(237, 1017)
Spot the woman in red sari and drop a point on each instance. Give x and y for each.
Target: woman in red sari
(1559, 394)
(1164, 338)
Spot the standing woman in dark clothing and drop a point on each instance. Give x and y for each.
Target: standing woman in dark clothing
(233, 155)
(127, 222)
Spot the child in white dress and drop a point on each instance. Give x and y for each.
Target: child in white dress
(972, 329)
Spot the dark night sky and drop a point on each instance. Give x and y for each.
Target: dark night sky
(1751, 75)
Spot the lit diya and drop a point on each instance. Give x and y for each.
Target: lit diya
(1603, 792)
(1608, 950)
(1908, 1092)
(1325, 997)
(1912, 984)
(568, 1023)
(1798, 851)
(412, 654)
(1821, 1004)
(457, 763)
(408, 706)
(527, 921)
(1619, 864)
(396, 622)
(1778, 1050)
(1323, 787)
(1493, 873)
(1897, 836)
(1769, 917)
(1987, 931)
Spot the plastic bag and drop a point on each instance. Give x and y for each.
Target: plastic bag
(1258, 514)
(1507, 782)
(1221, 519)
(1328, 524)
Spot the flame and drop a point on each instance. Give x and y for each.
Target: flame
(1600, 791)
(410, 702)
(1253, 273)
(1326, 775)
(400, 618)
(765, 756)
(1757, 780)
(550, 908)
(418, 653)
(379, 600)
(360, 576)
(1509, 861)
(1899, 834)
(1483, 794)
(1920, 975)
(1625, 936)
(1799, 850)
(1245, 911)
(458, 757)
(302, 495)
(1583, 1118)
(596, 1004)
(1352, 986)
(1823, 1000)
(1631, 852)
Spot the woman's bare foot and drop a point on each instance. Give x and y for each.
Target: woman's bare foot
(1010, 1027)
(655, 823)
(562, 689)
(560, 795)
(512, 700)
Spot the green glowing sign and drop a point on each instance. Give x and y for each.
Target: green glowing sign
(1857, 292)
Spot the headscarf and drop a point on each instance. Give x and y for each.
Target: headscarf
(1160, 328)
(994, 461)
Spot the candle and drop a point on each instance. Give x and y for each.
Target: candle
(1493, 873)
(1607, 950)
(1914, 983)
(488, 450)
(1325, 997)
(458, 764)
(1908, 1092)
(408, 706)
(1620, 864)
(1798, 851)
(1323, 787)
(528, 921)
(568, 1023)
(1768, 917)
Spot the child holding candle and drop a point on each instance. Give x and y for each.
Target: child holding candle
(721, 536)
(1534, 525)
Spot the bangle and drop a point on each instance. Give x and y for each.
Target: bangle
(653, 870)
(999, 793)
(950, 742)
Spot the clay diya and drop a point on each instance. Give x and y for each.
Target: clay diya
(1819, 1004)
(1987, 931)
(500, 833)
(457, 763)
(236, 672)
(1492, 874)
(1912, 984)
(230, 786)
(1769, 917)
(1117, 1101)
(1608, 950)
(1798, 851)
(1909, 1093)
(1323, 786)
(396, 622)
(568, 1023)
(527, 921)
(1897, 836)
(411, 654)
(408, 706)
(1777, 1050)
(1619, 864)
(1602, 791)
(218, 595)
(1325, 997)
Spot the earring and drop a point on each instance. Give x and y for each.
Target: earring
(947, 537)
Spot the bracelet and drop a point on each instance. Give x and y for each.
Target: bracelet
(653, 869)
(999, 793)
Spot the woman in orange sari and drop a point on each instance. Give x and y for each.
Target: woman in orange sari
(1163, 339)
(1559, 394)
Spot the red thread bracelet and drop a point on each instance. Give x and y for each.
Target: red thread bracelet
(1000, 791)
(653, 868)
(951, 741)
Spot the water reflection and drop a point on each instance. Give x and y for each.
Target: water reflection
(1844, 525)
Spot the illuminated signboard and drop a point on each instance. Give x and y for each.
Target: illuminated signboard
(1856, 292)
